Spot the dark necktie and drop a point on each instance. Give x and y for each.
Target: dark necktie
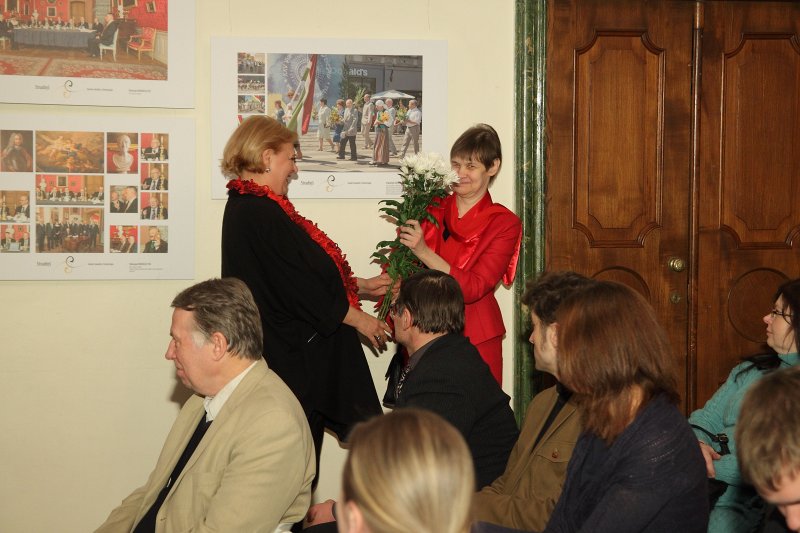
(148, 523)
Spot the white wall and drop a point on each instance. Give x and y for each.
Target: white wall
(87, 398)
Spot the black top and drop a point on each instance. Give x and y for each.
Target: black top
(302, 301)
(453, 381)
(107, 34)
(652, 478)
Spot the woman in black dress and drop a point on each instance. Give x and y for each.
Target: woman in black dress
(306, 293)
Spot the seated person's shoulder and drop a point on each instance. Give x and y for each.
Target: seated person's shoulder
(276, 396)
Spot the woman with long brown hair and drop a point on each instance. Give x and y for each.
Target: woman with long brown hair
(636, 466)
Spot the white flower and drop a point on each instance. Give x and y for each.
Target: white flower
(449, 178)
(430, 167)
(422, 164)
(408, 162)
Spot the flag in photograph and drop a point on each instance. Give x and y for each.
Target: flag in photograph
(303, 100)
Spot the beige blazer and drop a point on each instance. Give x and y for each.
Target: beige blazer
(524, 496)
(251, 472)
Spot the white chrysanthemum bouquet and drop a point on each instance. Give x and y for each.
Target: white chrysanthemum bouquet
(425, 179)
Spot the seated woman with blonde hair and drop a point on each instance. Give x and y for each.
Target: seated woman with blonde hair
(407, 471)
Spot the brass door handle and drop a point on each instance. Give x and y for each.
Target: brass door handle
(676, 264)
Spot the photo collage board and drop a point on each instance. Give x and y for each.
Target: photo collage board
(94, 202)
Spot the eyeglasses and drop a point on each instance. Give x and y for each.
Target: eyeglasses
(394, 309)
(782, 314)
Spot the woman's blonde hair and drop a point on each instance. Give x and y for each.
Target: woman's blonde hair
(410, 471)
(244, 149)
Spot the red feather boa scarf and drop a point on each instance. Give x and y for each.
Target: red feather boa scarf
(317, 235)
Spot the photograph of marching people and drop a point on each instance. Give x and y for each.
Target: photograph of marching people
(247, 63)
(155, 146)
(154, 239)
(69, 229)
(17, 151)
(123, 239)
(251, 84)
(57, 189)
(15, 238)
(155, 177)
(357, 107)
(351, 112)
(155, 205)
(70, 151)
(251, 104)
(122, 149)
(15, 206)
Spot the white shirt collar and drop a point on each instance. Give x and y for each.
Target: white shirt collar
(213, 404)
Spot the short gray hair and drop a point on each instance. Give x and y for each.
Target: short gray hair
(226, 306)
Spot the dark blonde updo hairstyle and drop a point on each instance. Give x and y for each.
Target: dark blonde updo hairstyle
(244, 149)
(409, 470)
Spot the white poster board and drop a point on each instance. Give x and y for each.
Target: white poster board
(108, 198)
(251, 74)
(162, 77)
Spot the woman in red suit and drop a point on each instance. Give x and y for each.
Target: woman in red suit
(477, 241)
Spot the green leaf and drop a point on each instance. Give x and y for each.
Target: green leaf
(430, 218)
(382, 258)
(394, 213)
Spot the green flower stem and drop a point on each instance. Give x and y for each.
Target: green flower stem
(387, 300)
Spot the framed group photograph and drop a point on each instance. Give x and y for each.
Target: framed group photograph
(132, 57)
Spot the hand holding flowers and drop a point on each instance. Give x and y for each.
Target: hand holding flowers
(425, 178)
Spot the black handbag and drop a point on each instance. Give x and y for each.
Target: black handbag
(716, 488)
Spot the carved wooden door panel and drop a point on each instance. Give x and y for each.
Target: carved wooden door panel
(691, 196)
(749, 186)
(618, 149)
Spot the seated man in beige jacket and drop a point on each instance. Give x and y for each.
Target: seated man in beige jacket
(239, 456)
(524, 496)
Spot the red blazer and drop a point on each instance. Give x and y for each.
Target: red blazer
(482, 248)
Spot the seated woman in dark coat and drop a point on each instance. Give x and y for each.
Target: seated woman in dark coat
(636, 466)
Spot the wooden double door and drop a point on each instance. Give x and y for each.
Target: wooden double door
(673, 164)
